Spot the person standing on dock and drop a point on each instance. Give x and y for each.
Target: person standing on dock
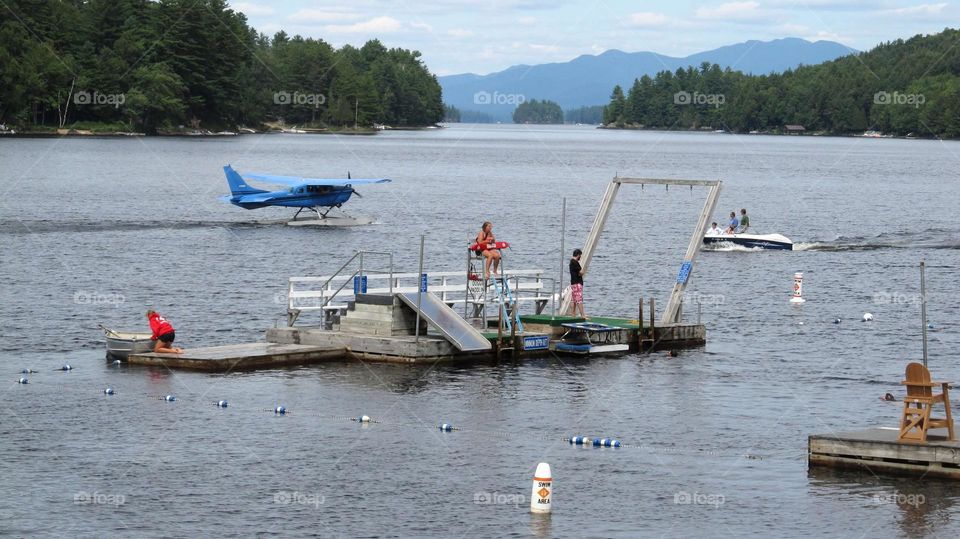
(491, 256)
(734, 223)
(744, 221)
(163, 334)
(576, 285)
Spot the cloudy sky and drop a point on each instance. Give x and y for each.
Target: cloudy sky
(483, 36)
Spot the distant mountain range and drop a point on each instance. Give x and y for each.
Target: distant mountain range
(588, 79)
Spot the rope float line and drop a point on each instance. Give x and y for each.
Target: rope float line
(582, 441)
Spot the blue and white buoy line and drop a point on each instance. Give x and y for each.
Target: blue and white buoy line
(582, 441)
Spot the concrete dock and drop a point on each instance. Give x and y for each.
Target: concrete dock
(878, 450)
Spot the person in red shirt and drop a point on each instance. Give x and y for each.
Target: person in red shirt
(163, 334)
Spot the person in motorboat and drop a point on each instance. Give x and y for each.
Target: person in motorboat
(714, 230)
(734, 223)
(744, 221)
(163, 334)
(491, 256)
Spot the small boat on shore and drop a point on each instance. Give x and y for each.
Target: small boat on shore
(120, 344)
(750, 241)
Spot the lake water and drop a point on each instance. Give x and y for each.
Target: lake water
(97, 230)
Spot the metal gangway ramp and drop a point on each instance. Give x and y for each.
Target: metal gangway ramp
(456, 330)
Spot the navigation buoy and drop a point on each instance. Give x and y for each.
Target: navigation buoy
(108, 391)
(222, 404)
(169, 398)
(606, 442)
(867, 317)
(797, 288)
(446, 427)
(23, 381)
(66, 367)
(542, 490)
(280, 410)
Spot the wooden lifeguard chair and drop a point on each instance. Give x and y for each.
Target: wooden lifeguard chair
(918, 405)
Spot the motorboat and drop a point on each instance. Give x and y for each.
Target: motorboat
(750, 241)
(120, 344)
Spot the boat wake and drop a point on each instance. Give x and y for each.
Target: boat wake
(928, 239)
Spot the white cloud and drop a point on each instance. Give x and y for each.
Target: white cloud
(528, 20)
(922, 10)
(459, 32)
(382, 25)
(828, 36)
(251, 8)
(322, 16)
(790, 29)
(646, 19)
(731, 11)
(422, 26)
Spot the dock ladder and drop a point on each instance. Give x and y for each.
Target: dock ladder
(508, 311)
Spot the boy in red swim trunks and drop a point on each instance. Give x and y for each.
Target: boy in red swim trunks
(576, 285)
(163, 334)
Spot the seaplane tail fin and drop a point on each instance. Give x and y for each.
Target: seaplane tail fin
(237, 184)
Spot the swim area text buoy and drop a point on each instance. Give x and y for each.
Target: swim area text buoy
(542, 489)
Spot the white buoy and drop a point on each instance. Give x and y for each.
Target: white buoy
(867, 317)
(542, 490)
(797, 288)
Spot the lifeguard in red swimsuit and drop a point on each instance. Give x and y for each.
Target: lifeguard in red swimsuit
(163, 334)
(491, 256)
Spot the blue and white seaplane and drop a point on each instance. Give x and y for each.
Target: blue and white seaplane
(319, 195)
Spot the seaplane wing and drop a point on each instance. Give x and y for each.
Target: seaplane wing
(297, 181)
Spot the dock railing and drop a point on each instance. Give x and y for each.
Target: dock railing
(331, 294)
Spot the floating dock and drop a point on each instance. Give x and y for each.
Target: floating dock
(367, 311)
(878, 450)
(241, 357)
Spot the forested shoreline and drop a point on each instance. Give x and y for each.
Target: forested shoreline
(904, 87)
(151, 66)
